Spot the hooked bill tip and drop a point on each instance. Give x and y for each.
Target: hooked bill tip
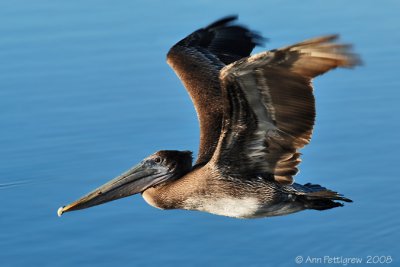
(60, 211)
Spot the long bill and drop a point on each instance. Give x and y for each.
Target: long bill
(134, 181)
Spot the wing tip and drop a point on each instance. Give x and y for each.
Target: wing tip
(227, 21)
(326, 53)
(224, 21)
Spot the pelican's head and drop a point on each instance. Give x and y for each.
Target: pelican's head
(161, 167)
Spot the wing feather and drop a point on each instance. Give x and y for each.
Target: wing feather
(197, 60)
(269, 107)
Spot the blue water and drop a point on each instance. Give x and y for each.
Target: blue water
(85, 93)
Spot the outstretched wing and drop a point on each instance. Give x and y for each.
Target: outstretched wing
(269, 107)
(197, 60)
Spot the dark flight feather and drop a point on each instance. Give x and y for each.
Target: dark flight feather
(269, 107)
(197, 60)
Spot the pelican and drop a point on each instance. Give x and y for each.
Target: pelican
(255, 113)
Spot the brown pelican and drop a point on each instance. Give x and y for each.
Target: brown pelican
(255, 113)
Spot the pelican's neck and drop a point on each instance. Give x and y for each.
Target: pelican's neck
(174, 194)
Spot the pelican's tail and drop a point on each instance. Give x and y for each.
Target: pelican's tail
(320, 198)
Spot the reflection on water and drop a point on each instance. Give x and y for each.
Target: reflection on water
(13, 184)
(86, 93)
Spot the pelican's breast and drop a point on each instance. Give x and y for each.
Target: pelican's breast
(226, 206)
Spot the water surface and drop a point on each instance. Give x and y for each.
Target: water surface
(85, 93)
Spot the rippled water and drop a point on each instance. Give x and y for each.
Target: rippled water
(85, 93)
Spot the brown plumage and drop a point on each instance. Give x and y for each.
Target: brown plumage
(255, 114)
(270, 108)
(197, 60)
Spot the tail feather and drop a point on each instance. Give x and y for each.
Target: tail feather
(320, 198)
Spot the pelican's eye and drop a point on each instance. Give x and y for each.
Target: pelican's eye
(157, 160)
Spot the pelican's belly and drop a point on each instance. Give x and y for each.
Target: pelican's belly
(245, 208)
(226, 206)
